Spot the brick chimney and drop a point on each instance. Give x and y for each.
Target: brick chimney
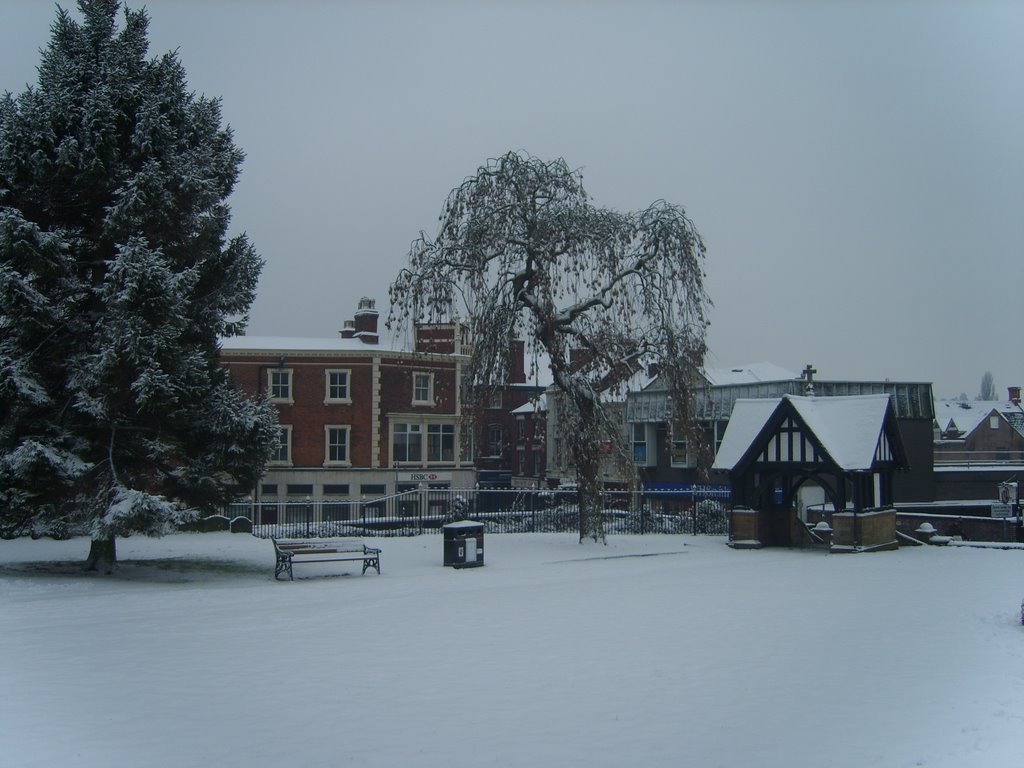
(349, 331)
(1014, 395)
(366, 322)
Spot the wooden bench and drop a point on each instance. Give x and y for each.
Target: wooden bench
(291, 551)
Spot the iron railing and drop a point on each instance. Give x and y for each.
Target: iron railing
(961, 459)
(500, 510)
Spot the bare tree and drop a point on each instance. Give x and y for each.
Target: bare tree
(988, 387)
(596, 294)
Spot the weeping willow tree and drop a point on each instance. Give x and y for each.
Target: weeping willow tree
(597, 295)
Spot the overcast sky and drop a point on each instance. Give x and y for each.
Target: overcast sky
(855, 168)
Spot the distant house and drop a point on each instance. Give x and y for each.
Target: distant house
(530, 466)
(508, 438)
(978, 445)
(980, 430)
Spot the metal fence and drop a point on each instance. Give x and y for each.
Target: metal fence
(500, 510)
(994, 458)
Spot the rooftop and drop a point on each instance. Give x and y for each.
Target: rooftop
(848, 427)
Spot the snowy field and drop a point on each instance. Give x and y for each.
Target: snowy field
(650, 651)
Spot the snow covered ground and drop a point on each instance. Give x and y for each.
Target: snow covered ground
(650, 651)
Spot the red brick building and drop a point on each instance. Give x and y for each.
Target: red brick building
(509, 439)
(358, 419)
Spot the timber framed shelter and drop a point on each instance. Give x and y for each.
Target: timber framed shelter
(848, 446)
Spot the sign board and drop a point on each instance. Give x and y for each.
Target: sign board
(424, 477)
(1002, 510)
(1008, 493)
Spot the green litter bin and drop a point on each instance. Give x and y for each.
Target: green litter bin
(464, 544)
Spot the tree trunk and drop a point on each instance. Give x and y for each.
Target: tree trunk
(102, 556)
(590, 509)
(585, 441)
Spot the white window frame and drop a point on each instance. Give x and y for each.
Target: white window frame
(328, 461)
(327, 385)
(437, 428)
(286, 430)
(429, 400)
(412, 428)
(688, 461)
(290, 373)
(425, 427)
(646, 442)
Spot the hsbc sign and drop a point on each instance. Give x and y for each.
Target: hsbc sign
(424, 477)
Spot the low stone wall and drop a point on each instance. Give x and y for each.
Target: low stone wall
(743, 528)
(869, 531)
(968, 527)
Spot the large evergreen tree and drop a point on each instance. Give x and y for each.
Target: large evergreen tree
(116, 280)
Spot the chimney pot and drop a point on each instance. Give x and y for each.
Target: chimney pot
(366, 321)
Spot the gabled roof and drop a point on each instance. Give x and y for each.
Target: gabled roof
(848, 429)
(968, 415)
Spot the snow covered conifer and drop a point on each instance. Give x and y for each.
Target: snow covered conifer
(597, 294)
(116, 280)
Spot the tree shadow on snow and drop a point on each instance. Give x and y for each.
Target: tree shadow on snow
(170, 570)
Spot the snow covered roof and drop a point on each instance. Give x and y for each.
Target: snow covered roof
(848, 428)
(636, 382)
(302, 344)
(748, 374)
(967, 415)
(540, 405)
(747, 420)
